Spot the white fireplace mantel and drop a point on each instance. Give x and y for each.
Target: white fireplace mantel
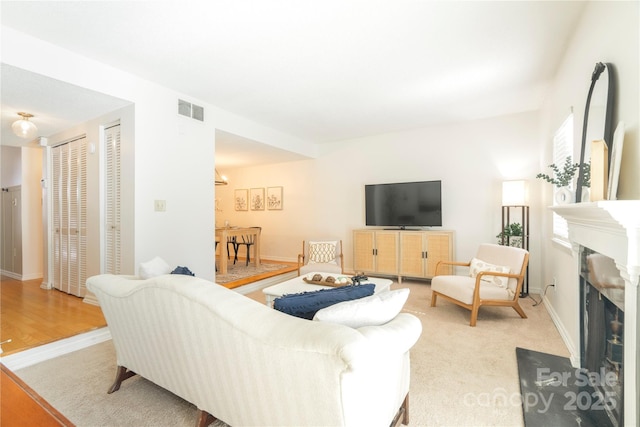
(612, 228)
(609, 227)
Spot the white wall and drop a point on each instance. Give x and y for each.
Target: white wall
(324, 197)
(22, 166)
(11, 159)
(32, 243)
(608, 32)
(173, 156)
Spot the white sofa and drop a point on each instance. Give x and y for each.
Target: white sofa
(246, 364)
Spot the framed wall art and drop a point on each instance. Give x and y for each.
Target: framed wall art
(241, 199)
(257, 199)
(274, 198)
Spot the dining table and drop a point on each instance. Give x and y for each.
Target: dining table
(221, 238)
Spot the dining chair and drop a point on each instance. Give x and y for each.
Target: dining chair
(231, 240)
(215, 249)
(247, 240)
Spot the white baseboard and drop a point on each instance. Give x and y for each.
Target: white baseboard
(57, 348)
(564, 334)
(11, 274)
(21, 277)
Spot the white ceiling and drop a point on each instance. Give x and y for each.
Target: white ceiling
(56, 105)
(320, 70)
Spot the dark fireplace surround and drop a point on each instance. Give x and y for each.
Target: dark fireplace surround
(605, 243)
(601, 331)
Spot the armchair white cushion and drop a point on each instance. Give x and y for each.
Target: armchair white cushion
(322, 256)
(496, 276)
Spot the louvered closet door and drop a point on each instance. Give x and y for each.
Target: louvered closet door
(69, 166)
(113, 251)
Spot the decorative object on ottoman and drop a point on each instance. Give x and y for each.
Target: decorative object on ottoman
(306, 304)
(318, 279)
(359, 278)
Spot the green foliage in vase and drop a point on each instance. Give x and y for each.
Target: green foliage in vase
(562, 178)
(586, 174)
(511, 230)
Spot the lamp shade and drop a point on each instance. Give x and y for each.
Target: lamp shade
(24, 128)
(515, 193)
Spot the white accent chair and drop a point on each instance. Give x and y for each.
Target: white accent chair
(495, 278)
(321, 255)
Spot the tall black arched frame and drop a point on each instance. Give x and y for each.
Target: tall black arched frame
(607, 132)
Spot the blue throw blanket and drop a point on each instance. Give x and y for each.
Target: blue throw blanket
(306, 304)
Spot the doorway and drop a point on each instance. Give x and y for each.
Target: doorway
(12, 230)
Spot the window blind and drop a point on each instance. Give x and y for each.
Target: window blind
(562, 148)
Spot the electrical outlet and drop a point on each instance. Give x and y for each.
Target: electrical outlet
(160, 205)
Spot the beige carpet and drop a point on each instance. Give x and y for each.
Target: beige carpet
(239, 270)
(460, 376)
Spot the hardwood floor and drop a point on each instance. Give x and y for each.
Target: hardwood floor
(22, 406)
(32, 316)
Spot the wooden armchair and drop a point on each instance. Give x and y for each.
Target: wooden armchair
(495, 278)
(322, 256)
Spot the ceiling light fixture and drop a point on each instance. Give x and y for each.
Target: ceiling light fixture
(23, 127)
(221, 179)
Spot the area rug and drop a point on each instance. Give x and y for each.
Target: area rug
(554, 393)
(81, 393)
(240, 271)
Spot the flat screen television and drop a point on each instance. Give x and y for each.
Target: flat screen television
(404, 204)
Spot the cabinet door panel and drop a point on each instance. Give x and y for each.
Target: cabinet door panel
(363, 246)
(387, 246)
(438, 249)
(412, 249)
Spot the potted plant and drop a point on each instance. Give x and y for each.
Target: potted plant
(511, 235)
(562, 178)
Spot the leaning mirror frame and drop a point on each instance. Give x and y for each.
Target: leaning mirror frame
(608, 121)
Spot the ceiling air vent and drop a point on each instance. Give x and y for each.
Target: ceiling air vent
(197, 112)
(190, 110)
(184, 108)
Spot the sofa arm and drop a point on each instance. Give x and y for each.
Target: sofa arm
(396, 336)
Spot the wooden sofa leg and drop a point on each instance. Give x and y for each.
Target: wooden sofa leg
(121, 374)
(204, 418)
(434, 296)
(405, 416)
(402, 416)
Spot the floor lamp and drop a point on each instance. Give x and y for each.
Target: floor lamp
(514, 201)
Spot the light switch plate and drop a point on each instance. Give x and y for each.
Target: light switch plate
(160, 205)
